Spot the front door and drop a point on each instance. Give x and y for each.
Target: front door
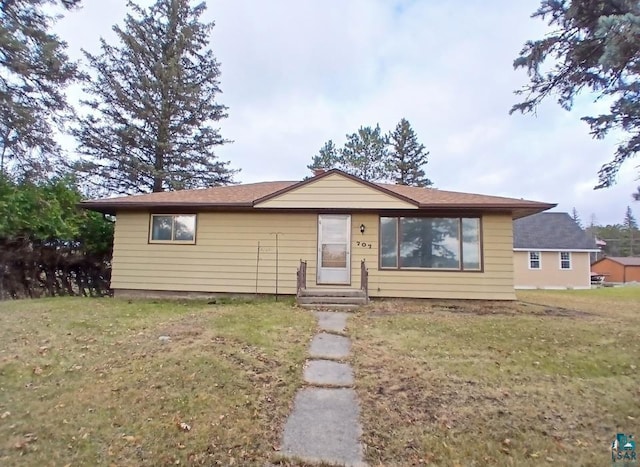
(334, 252)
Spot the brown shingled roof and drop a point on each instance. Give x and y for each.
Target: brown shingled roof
(232, 195)
(430, 196)
(245, 196)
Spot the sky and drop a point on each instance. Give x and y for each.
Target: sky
(295, 74)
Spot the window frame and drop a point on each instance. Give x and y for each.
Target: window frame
(539, 260)
(173, 241)
(459, 218)
(568, 253)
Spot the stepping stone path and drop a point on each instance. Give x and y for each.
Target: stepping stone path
(330, 346)
(324, 424)
(328, 373)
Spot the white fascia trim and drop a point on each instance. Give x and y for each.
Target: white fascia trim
(556, 249)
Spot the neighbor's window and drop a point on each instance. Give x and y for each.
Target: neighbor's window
(534, 260)
(565, 260)
(178, 228)
(430, 243)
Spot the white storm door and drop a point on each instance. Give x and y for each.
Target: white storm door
(334, 252)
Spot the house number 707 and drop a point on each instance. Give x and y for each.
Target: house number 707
(363, 244)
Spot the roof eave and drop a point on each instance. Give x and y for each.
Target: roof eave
(517, 210)
(111, 208)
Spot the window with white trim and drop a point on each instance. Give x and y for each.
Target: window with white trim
(565, 260)
(534, 260)
(173, 228)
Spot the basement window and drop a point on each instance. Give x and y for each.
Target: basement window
(173, 228)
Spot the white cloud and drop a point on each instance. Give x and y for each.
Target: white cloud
(297, 73)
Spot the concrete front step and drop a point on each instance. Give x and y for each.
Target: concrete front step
(333, 300)
(329, 306)
(335, 292)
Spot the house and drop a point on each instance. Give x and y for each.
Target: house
(335, 229)
(551, 251)
(618, 269)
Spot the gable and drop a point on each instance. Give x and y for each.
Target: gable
(335, 191)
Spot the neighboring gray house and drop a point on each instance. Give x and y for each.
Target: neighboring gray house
(551, 251)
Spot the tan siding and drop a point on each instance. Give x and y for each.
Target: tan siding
(336, 191)
(550, 275)
(224, 258)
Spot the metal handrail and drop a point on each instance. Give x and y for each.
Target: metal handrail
(364, 279)
(301, 276)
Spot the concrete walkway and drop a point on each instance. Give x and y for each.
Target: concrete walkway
(324, 424)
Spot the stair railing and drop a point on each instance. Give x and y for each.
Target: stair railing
(301, 276)
(364, 279)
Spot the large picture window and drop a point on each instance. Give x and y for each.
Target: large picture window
(173, 228)
(430, 243)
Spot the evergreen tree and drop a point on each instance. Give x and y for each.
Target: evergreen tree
(631, 227)
(407, 157)
(576, 217)
(365, 154)
(327, 158)
(150, 124)
(629, 220)
(34, 71)
(594, 46)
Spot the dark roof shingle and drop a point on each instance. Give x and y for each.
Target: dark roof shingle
(550, 231)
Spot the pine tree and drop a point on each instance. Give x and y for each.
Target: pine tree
(327, 158)
(365, 154)
(407, 157)
(631, 226)
(593, 47)
(153, 109)
(629, 220)
(576, 217)
(34, 71)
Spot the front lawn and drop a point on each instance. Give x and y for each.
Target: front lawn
(90, 381)
(548, 380)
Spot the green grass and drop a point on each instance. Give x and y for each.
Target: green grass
(547, 380)
(87, 381)
(551, 379)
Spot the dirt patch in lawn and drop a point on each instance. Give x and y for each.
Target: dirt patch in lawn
(390, 307)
